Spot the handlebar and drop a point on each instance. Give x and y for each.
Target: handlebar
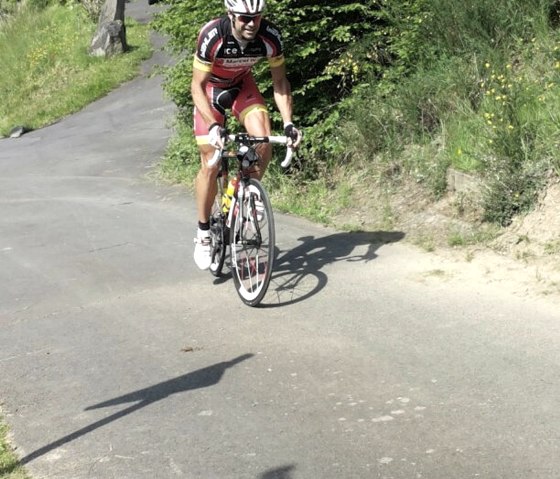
(252, 140)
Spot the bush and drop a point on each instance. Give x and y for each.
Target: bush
(471, 84)
(318, 39)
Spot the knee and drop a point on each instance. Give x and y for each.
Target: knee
(206, 155)
(265, 151)
(208, 172)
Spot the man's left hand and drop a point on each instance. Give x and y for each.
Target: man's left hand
(293, 134)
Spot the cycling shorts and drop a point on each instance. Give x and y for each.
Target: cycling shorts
(242, 99)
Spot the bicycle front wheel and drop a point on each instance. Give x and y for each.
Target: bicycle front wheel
(252, 241)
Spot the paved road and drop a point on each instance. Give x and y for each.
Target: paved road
(118, 359)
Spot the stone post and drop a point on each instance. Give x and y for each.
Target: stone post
(110, 37)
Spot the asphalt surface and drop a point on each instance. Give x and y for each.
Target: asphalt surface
(368, 359)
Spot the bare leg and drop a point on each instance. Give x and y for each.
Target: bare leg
(205, 184)
(257, 123)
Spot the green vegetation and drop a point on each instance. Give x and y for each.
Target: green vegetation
(403, 90)
(47, 72)
(9, 466)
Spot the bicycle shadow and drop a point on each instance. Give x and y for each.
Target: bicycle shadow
(297, 272)
(201, 378)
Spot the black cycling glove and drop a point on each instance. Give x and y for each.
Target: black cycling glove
(290, 131)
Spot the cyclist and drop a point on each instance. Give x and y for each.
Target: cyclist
(227, 49)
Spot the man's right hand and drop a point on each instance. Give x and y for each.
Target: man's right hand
(217, 135)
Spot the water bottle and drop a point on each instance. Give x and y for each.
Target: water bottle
(228, 195)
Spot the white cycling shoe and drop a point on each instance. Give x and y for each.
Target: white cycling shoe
(203, 249)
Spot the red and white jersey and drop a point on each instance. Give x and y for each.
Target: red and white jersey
(219, 52)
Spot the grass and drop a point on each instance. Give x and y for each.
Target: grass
(552, 247)
(9, 465)
(488, 100)
(47, 72)
(480, 235)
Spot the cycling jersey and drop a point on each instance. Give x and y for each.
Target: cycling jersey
(220, 53)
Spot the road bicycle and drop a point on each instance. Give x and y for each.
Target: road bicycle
(244, 222)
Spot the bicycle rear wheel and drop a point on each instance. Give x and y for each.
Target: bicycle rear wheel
(217, 236)
(252, 240)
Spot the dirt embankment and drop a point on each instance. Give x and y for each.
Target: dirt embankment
(524, 257)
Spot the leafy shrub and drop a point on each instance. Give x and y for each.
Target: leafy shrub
(402, 86)
(322, 42)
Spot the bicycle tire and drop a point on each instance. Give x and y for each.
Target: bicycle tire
(218, 237)
(252, 242)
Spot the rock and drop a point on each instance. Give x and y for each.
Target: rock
(110, 37)
(17, 131)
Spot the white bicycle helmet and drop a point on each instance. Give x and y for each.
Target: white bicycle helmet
(250, 7)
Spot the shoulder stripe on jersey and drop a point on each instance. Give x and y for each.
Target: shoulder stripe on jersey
(276, 61)
(201, 65)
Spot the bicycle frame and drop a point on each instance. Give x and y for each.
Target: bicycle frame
(248, 226)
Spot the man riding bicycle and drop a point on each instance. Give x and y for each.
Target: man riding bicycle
(227, 49)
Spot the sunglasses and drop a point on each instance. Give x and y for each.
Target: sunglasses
(247, 18)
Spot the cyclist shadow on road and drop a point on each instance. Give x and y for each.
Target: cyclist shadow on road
(201, 378)
(284, 472)
(297, 271)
